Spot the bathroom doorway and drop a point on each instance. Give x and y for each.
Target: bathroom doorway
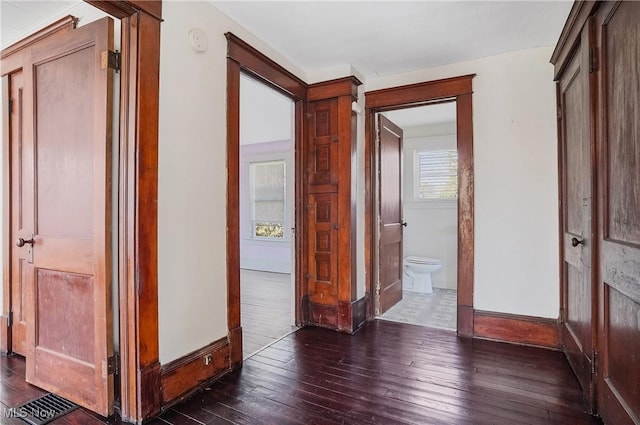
(417, 194)
(266, 214)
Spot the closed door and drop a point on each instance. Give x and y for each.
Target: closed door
(619, 283)
(62, 252)
(390, 215)
(577, 203)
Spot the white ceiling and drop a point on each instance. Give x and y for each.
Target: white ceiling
(387, 37)
(21, 18)
(375, 37)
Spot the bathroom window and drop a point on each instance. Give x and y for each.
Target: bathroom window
(436, 174)
(267, 199)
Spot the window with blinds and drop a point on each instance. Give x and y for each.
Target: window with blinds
(268, 199)
(436, 174)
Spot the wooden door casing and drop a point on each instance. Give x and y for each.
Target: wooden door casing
(69, 337)
(618, 35)
(390, 214)
(577, 310)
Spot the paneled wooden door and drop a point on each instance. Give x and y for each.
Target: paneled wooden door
(619, 284)
(389, 289)
(64, 241)
(578, 295)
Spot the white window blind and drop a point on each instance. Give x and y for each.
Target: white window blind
(268, 199)
(436, 174)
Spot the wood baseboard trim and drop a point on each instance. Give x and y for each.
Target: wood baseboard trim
(517, 329)
(465, 321)
(358, 313)
(235, 348)
(184, 376)
(148, 395)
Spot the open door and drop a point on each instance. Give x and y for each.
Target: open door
(578, 296)
(66, 239)
(389, 290)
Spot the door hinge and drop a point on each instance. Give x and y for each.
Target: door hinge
(308, 276)
(111, 59)
(593, 59)
(113, 365)
(594, 357)
(559, 114)
(10, 319)
(10, 106)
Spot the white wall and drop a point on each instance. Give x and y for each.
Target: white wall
(192, 275)
(516, 219)
(432, 226)
(263, 254)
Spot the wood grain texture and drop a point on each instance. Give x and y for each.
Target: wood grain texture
(563, 51)
(188, 374)
(395, 97)
(618, 284)
(460, 89)
(346, 86)
(256, 63)
(13, 59)
(517, 329)
(394, 373)
(329, 263)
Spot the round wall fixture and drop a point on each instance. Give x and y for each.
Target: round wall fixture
(198, 40)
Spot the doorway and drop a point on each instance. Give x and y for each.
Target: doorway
(458, 89)
(266, 215)
(426, 175)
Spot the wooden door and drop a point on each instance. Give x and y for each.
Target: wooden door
(67, 283)
(577, 312)
(22, 211)
(390, 214)
(619, 283)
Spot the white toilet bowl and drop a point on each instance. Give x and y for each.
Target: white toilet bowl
(417, 273)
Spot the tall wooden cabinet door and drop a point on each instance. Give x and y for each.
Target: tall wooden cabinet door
(390, 215)
(323, 248)
(69, 332)
(619, 286)
(578, 323)
(21, 211)
(322, 166)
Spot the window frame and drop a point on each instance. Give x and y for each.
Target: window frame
(416, 178)
(252, 220)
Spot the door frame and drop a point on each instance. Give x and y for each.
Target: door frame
(243, 58)
(458, 89)
(137, 210)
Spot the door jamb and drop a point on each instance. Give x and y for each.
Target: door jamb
(138, 218)
(460, 90)
(241, 57)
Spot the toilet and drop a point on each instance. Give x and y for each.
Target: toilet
(417, 273)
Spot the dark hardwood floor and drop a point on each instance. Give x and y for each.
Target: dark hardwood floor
(387, 373)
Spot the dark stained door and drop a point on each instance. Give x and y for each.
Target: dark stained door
(21, 212)
(390, 214)
(619, 283)
(577, 309)
(68, 297)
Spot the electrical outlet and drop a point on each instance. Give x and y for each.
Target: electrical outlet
(208, 359)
